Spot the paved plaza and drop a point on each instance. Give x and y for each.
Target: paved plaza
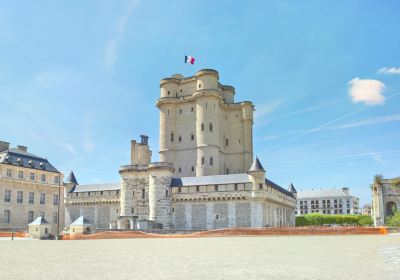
(270, 257)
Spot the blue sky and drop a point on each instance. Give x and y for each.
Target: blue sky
(79, 79)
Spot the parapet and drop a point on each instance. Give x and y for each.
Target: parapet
(161, 165)
(207, 72)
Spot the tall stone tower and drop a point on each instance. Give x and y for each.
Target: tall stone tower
(202, 130)
(160, 176)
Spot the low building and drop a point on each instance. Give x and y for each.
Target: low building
(385, 198)
(39, 228)
(327, 201)
(366, 210)
(30, 186)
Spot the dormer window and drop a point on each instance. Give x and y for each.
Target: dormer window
(20, 162)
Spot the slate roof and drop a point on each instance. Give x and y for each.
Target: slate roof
(96, 187)
(81, 221)
(71, 179)
(222, 180)
(21, 158)
(292, 189)
(324, 193)
(278, 188)
(256, 166)
(210, 180)
(39, 221)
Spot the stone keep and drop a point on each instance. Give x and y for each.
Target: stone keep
(202, 130)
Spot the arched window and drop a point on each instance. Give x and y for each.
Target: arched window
(390, 208)
(211, 161)
(202, 160)
(210, 126)
(202, 126)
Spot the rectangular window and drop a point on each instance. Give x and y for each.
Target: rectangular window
(192, 137)
(7, 216)
(172, 137)
(143, 194)
(348, 211)
(56, 199)
(236, 187)
(179, 189)
(216, 188)
(101, 193)
(7, 196)
(43, 178)
(9, 173)
(31, 198)
(55, 218)
(197, 188)
(19, 196)
(132, 210)
(42, 198)
(32, 176)
(30, 217)
(20, 174)
(117, 192)
(56, 180)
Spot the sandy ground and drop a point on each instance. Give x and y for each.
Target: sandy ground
(281, 257)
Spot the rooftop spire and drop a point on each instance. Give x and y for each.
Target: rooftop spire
(291, 188)
(256, 166)
(71, 179)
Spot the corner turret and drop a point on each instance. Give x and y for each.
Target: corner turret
(292, 190)
(256, 175)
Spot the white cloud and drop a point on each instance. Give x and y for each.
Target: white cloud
(366, 91)
(389, 70)
(111, 52)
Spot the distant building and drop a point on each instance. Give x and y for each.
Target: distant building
(385, 198)
(30, 187)
(366, 210)
(327, 201)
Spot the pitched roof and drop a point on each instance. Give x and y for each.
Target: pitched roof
(96, 187)
(39, 221)
(322, 193)
(81, 221)
(71, 179)
(277, 187)
(21, 158)
(222, 180)
(256, 166)
(292, 189)
(210, 180)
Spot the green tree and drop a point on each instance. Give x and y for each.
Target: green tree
(394, 220)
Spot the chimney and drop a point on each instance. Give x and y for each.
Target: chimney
(345, 190)
(4, 146)
(144, 139)
(22, 148)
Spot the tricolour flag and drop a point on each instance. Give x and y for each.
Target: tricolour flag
(189, 59)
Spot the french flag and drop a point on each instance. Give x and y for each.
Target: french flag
(189, 59)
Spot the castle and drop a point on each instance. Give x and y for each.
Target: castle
(206, 177)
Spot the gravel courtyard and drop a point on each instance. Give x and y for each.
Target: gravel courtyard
(281, 257)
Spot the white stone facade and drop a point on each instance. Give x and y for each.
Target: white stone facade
(327, 201)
